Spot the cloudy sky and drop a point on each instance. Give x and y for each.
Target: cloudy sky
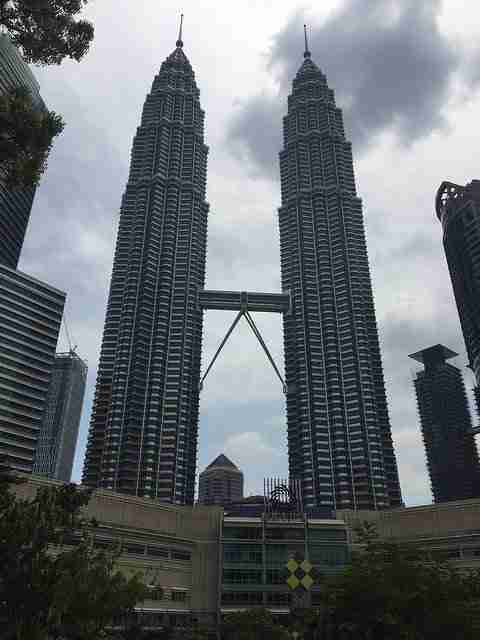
(407, 75)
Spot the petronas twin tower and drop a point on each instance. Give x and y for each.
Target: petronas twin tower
(144, 425)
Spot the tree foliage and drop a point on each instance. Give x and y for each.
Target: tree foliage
(50, 590)
(26, 136)
(395, 592)
(47, 31)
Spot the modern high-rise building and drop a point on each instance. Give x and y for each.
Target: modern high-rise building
(452, 457)
(220, 483)
(339, 436)
(143, 430)
(61, 419)
(458, 209)
(30, 318)
(15, 204)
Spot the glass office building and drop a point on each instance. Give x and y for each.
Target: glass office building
(30, 318)
(15, 204)
(257, 545)
(452, 457)
(59, 432)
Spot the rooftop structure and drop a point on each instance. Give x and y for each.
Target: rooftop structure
(433, 356)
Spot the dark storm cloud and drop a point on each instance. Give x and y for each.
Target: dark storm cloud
(390, 65)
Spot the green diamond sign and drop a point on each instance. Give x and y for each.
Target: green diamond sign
(300, 574)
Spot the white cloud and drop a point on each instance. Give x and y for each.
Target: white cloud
(256, 458)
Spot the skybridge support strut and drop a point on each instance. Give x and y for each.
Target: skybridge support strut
(222, 344)
(258, 335)
(256, 332)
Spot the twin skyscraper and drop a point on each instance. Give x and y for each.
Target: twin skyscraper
(144, 425)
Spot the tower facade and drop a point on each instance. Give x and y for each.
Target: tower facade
(15, 204)
(452, 457)
(220, 483)
(339, 437)
(30, 318)
(143, 430)
(59, 430)
(458, 209)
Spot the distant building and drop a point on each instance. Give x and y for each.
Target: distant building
(30, 317)
(452, 457)
(59, 432)
(15, 204)
(458, 209)
(220, 483)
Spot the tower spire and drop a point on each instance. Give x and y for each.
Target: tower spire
(306, 53)
(179, 42)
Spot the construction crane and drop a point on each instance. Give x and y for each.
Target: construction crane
(67, 333)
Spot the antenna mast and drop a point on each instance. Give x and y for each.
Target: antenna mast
(179, 42)
(306, 53)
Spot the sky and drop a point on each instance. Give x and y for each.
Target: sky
(407, 76)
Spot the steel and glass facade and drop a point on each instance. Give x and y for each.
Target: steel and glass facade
(143, 431)
(339, 436)
(452, 457)
(15, 204)
(59, 431)
(255, 552)
(30, 319)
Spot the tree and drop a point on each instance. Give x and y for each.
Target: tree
(392, 591)
(46, 31)
(26, 136)
(48, 589)
(252, 624)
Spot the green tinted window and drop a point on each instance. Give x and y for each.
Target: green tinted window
(242, 576)
(242, 533)
(242, 553)
(285, 534)
(329, 555)
(327, 534)
(279, 554)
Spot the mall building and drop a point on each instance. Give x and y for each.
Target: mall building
(201, 562)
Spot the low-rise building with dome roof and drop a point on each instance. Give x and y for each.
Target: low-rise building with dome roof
(220, 483)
